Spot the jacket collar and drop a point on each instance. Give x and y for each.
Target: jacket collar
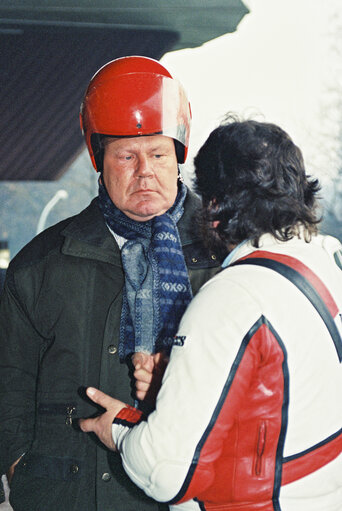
(267, 242)
(188, 226)
(87, 235)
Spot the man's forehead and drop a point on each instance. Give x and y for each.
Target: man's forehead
(150, 141)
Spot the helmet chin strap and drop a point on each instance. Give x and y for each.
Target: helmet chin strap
(179, 148)
(180, 177)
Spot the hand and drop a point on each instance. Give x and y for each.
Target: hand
(149, 372)
(102, 425)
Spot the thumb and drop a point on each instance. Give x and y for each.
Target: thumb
(160, 361)
(160, 358)
(99, 397)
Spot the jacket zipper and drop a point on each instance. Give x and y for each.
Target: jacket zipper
(70, 410)
(260, 448)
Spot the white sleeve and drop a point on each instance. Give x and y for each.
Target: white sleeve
(158, 454)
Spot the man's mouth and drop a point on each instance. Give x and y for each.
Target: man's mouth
(145, 191)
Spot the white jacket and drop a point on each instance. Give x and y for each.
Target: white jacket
(249, 415)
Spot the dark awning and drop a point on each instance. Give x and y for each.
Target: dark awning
(50, 50)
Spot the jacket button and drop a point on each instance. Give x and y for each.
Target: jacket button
(213, 256)
(112, 349)
(194, 260)
(106, 477)
(74, 469)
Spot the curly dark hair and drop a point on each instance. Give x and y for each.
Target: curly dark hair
(252, 180)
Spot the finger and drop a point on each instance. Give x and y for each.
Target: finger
(101, 398)
(101, 426)
(142, 375)
(140, 395)
(142, 386)
(87, 425)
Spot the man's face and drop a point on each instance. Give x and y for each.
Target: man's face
(140, 174)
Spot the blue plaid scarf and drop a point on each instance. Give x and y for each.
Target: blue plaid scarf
(157, 287)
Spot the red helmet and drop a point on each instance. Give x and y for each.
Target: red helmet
(134, 96)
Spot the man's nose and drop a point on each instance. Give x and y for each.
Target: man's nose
(144, 168)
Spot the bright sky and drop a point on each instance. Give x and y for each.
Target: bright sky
(279, 64)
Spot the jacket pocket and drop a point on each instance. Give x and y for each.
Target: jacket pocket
(51, 467)
(57, 433)
(66, 412)
(49, 482)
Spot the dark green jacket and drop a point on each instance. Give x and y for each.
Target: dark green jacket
(59, 322)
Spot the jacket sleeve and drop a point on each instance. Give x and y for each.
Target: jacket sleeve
(163, 455)
(19, 355)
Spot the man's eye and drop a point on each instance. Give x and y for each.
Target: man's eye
(158, 156)
(125, 157)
